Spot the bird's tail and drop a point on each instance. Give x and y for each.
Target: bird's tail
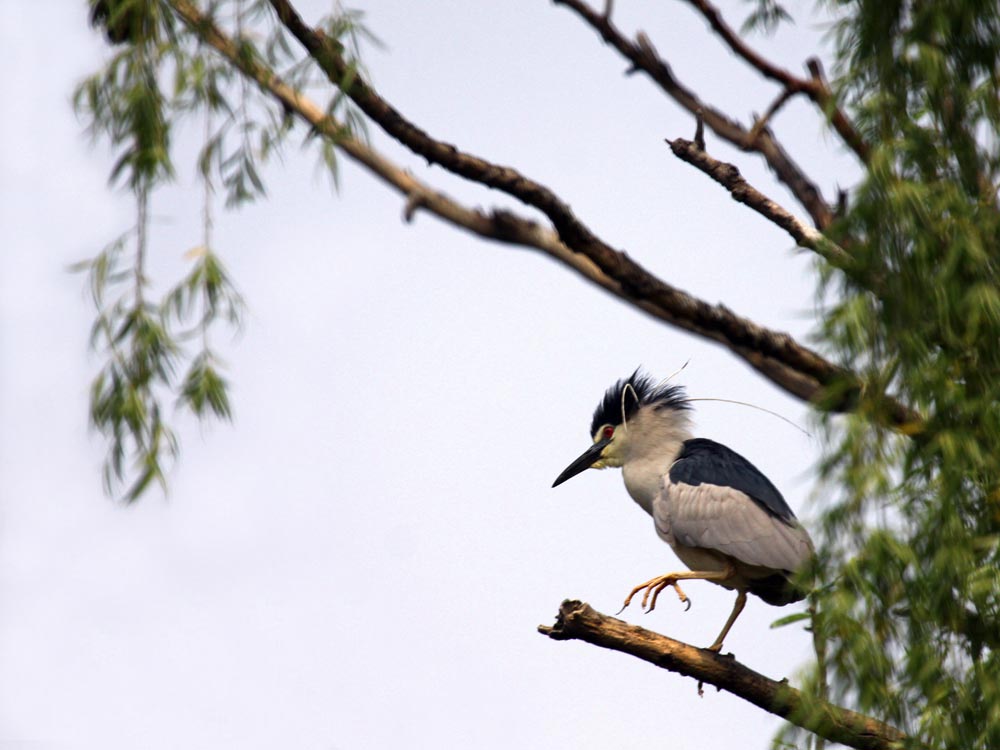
(777, 590)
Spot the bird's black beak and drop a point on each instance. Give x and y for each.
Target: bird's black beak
(588, 459)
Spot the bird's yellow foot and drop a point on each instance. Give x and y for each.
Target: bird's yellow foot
(651, 591)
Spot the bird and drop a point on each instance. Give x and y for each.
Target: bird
(723, 518)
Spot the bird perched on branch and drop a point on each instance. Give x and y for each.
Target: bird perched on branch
(722, 517)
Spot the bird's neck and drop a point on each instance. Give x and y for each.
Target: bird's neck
(652, 456)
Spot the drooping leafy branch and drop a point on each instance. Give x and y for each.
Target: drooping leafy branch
(157, 345)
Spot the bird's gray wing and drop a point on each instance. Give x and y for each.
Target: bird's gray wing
(702, 460)
(727, 520)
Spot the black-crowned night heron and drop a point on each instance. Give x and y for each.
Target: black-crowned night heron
(721, 516)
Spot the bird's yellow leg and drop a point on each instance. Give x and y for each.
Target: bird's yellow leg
(741, 601)
(651, 589)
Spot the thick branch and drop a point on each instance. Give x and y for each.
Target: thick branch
(643, 57)
(579, 621)
(815, 87)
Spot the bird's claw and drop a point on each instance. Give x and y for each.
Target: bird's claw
(651, 591)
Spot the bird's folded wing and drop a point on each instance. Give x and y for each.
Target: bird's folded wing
(727, 520)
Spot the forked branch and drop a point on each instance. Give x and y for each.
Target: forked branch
(643, 56)
(815, 87)
(579, 621)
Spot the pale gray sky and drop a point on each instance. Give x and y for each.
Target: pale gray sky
(361, 560)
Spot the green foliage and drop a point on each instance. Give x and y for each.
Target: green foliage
(158, 74)
(912, 539)
(124, 396)
(143, 344)
(204, 390)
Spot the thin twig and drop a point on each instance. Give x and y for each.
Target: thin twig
(762, 122)
(699, 130)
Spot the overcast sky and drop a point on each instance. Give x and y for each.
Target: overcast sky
(362, 558)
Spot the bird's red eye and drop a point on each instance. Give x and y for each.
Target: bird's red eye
(608, 432)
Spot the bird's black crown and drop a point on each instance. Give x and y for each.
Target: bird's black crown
(621, 401)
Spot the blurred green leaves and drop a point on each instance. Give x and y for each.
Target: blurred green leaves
(143, 346)
(911, 528)
(765, 17)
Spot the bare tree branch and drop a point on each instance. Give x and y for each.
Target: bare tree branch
(579, 621)
(643, 57)
(728, 175)
(815, 87)
(761, 122)
(797, 369)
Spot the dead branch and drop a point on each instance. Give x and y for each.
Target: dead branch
(728, 175)
(628, 280)
(579, 621)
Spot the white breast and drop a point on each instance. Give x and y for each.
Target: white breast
(644, 480)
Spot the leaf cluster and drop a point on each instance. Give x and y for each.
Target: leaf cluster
(144, 345)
